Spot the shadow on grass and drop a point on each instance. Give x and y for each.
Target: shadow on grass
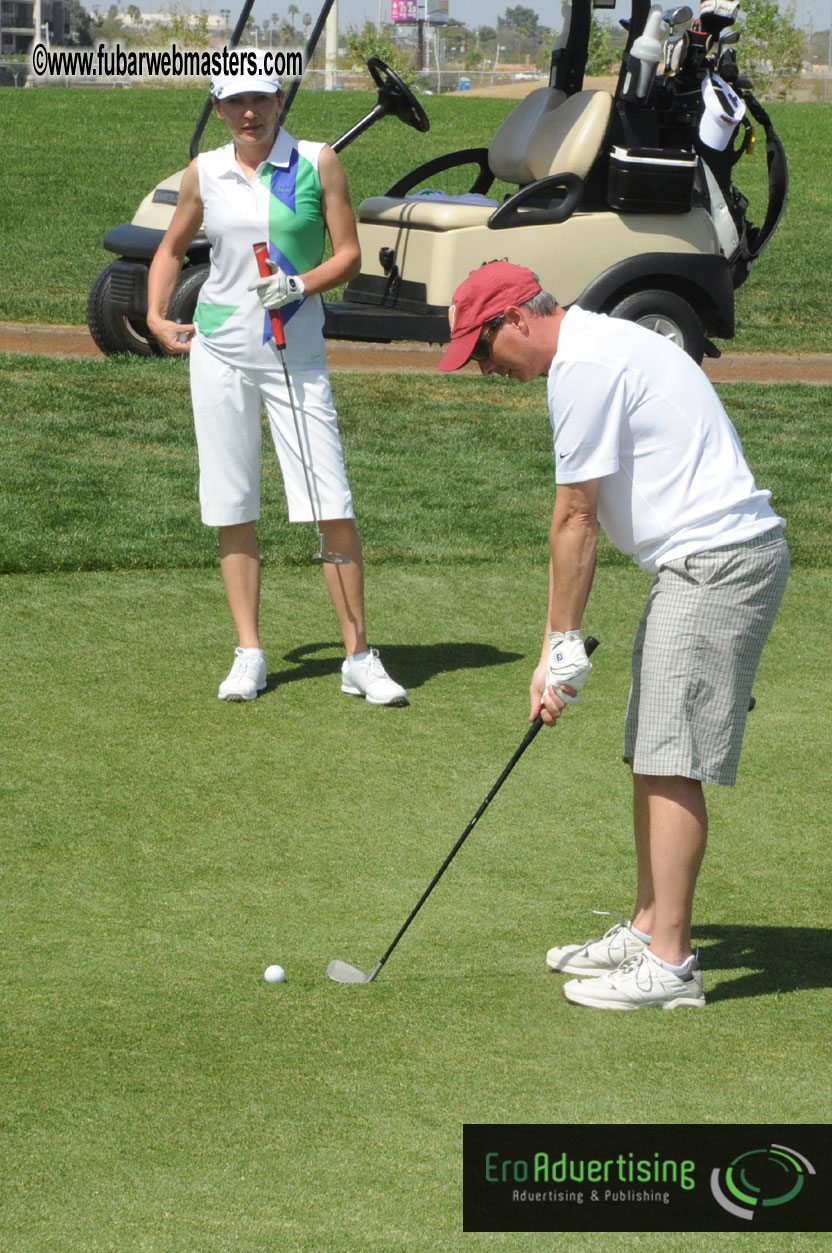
(775, 959)
(409, 664)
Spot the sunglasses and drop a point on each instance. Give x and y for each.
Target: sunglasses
(482, 348)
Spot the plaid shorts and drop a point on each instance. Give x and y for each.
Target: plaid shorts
(695, 656)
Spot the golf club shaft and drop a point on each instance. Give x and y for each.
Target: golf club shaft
(591, 645)
(261, 252)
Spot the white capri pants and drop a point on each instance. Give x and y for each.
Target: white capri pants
(227, 418)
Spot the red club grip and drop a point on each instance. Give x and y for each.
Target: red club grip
(261, 252)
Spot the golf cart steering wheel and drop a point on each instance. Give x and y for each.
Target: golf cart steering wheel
(396, 97)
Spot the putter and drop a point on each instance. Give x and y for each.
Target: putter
(343, 972)
(261, 252)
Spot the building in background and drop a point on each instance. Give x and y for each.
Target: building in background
(17, 24)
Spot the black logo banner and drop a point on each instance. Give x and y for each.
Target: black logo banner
(668, 1177)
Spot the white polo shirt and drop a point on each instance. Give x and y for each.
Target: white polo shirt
(281, 205)
(632, 409)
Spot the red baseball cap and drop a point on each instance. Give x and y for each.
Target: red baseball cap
(485, 294)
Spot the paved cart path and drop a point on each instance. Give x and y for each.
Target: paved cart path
(410, 358)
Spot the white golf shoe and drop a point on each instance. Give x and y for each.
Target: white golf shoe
(597, 956)
(641, 982)
(367, 677)
(246, 677)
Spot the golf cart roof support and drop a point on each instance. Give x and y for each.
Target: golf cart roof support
(236, 35)
(308, 52)
(569, 62)
(639, 12)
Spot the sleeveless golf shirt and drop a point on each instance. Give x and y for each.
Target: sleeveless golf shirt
(282, 205)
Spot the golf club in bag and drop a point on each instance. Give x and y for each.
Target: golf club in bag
(261, 252)
(343, 972)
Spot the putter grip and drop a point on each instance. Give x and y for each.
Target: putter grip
(261, 252)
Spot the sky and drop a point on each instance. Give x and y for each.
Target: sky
(486, 12)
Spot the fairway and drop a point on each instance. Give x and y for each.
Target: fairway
(160, 849)
(165, 848)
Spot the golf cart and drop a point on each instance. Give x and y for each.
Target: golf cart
(622, 202)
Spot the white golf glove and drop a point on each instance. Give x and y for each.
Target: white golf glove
(278, 288)
(568, 663)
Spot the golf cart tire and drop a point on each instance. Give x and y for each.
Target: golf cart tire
(667, 314)
(113, 331)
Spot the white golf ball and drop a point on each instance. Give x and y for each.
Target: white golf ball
(274, 974)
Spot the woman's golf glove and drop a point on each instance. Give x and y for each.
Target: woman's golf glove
(277, 289)
(568, 663)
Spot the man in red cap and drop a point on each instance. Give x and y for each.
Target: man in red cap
(480, 301)
(644, 449)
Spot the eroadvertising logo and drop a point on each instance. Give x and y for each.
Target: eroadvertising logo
(605, 1177)
(771, 1176)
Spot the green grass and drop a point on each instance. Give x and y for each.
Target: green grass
(101, 454)
(67, 181)
(158, 848)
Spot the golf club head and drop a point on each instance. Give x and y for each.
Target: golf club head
(678, 19)
(331, 559)
(343, 972)
(725, 54)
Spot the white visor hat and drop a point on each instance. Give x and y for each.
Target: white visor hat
(722, 113)
(249, 75)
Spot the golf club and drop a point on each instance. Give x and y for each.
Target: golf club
(726, 58)
(343, 972)
(675, 51)
(261, 252)
(678, 19)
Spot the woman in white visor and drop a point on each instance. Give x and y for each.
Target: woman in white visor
(264, 185)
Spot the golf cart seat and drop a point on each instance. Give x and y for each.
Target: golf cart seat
(548, 141)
